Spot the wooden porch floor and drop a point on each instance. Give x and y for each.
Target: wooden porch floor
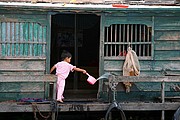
(86, 106)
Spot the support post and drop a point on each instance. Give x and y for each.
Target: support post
(53, 117)
(162, 99)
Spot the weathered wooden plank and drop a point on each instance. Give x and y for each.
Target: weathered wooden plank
(165, 21)
(35, 58)
(78, 1)
(150, 106)
(167, 45)
(140, 84)
(13, 87)
(42, 19)
(20, 107)
(147, 78)
(128, 20)
(143, 95)
(146, 73)
(166, 65)
(21, 87)
(22, 65)
(146, 65)
(125, 106)
(15, 107)
(167, 35)
(20, 72)
(15, 96)
(167, 55)
(159, 73)
(27, 78)
(118, 65)
(167, 28)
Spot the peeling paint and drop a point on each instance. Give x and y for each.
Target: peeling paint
(76, 108)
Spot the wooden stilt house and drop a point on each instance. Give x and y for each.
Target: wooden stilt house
(98, 34)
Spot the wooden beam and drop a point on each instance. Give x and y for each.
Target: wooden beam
(147, 78)
(22, 107)
(94, 106)
(125, 106)
(28, 78)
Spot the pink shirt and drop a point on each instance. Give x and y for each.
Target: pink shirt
(63, 68)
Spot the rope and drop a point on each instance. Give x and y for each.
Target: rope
(118, 107)
(177, 114)
(54, 107)
(131, 67)
(34, 107)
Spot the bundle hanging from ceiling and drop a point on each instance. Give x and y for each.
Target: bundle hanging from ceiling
(131, 67)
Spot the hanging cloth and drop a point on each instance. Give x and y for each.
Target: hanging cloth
(131, 67)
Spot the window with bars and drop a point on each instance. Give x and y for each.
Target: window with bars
(22, 39)
(119, 36)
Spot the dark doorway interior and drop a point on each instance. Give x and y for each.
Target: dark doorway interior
(78, 34)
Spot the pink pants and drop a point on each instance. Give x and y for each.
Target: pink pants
(60, 88)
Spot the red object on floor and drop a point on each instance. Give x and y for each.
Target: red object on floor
(120, 5)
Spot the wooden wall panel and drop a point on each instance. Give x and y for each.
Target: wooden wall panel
(19, 95)
(144, 65)
(166, 21)
(14, 87)
(167, 35)
(118, 65)
(167, 55)
(23, 65)
(167, 45)
(22, 87)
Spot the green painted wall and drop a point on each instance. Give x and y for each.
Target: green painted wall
(25, 46)
(165, 52)
(24, 50)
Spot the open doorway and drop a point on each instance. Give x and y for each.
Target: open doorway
(79, 34)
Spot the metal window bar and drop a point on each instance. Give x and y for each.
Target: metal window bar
(115, 39)
(147, 50)
(139, 40)
(111, 40)
(127, 33)
(106, 40)
(123, 40)
(118, 37)
(131, 34)
(144, 37)
(135, 30)
(22, 39)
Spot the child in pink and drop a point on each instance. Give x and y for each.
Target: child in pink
(62, 71)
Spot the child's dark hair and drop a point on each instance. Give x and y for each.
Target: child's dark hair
(65, 54)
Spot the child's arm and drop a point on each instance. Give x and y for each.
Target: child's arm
(80, 70)
(52, 69)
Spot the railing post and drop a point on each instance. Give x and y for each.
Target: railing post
(54, 98)
(163, 99)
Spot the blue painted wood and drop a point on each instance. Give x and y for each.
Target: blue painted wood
(165, 53)
(23, 42)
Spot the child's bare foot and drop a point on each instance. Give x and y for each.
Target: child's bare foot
(60, 101)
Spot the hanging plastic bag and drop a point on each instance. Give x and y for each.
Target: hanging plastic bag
(131, 67)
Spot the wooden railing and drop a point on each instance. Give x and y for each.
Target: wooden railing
(46, 79)
(160, 79)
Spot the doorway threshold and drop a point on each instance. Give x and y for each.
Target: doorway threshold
(80, 95)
